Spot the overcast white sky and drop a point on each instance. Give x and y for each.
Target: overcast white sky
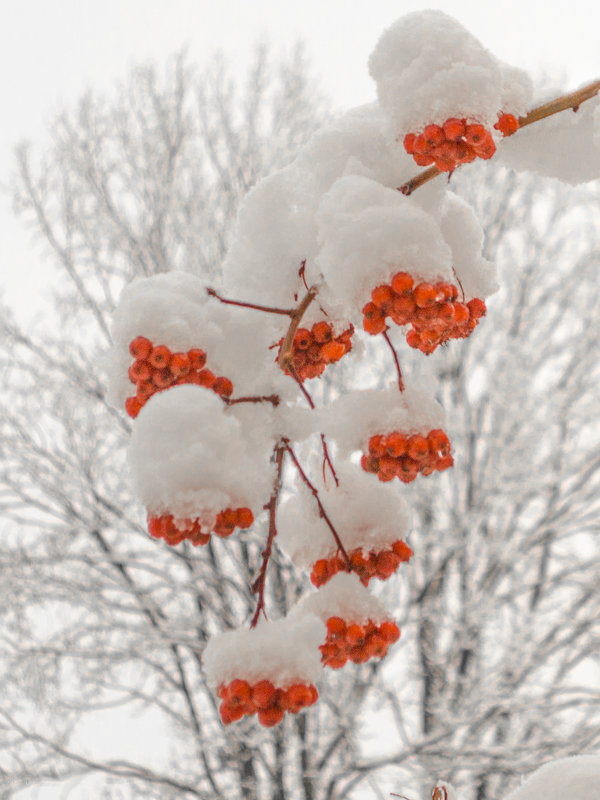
(50, 52)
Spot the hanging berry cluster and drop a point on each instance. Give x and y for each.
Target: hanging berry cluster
(314, 349)
(398, 455)
(431, 309)
(156, 368)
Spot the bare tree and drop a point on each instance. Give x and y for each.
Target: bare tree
(499, 619)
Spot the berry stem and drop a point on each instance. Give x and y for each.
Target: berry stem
(327, 460)
(292, 370)
(322, 512)
(288, 312)
(285, 356)
(396, 362)
(572, 100)
(258, 586)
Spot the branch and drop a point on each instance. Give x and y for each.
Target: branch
(285, 354)
(322, 512)
(562, 103)
(397, 363)
(288, 312)
(258, 587)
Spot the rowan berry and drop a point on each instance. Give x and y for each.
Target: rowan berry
(475, 134)
(402, 282)
(205, 378)
(355, 634)
(302, 339)
(433, 135)
(197, 358)
(378, 445)
(332, 351)
(422, 160)
(476, 308)
(409, 143)
(297, 697)
(336, 627)
(396, 444)
(244, 517)
(160, 356)
(382, 296)
(507, 124)
(322, 332)
(402, 550)
(140, 370)
(376, 646)
(418, 447)
(389, 631)
(140, 347)
(223, 387)
(269, 717)
(425, 295)
(180, 364)
(369, 463)
(161, 378)
(454, 129)
(262, 694)
(133, 406)
(320, 572)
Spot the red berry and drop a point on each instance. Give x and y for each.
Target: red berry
(355, 634)
(160, 356)
(409, 143)
(245, 517)
(133, 406)
(476, 308)
(507, 124)
(475, 134)
(302, 339)
(332, 351)
(433, 135)
(382, 296)
(269, 717)
(223, 387)
(322, 332)
(402, 282)
(425, 295)
(402, 550)
(454, 129)
(389, 631)
(140, 347)
(418, 447)
(196, 358)
(336, 627)
(262, 694)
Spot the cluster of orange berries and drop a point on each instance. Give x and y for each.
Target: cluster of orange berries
(314, 349)
(404, 457)
(432, 309)
(156, 368)
(164, 527)
(456, 142)
(355, 642)
(240, 698)
(374, 564)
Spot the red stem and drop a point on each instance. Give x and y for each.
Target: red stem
(288, 312)
(327, 460)
(292, 370)
(395, 354)
(258, 587)
(322, 512)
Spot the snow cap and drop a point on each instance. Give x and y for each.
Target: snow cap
(192, 457)
(285, 652)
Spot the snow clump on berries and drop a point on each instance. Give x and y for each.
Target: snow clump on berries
(368, 232)
(192, 458)
(284, 651)
(428, 68)
(353, 418)
(344, 596)
(173, 310)
(366, 514)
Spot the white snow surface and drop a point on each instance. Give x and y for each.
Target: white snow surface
(173, 309)
(364, 513)
(369, 232)
(284, 651)
(575, 778)
(192, 457)
(352, 419)
(463, 233)
(343, 596)
(428, 68)
(565, 146)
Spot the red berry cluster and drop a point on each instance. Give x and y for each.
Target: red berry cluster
(456, 142)
(432, 309)
(357, 643)
(374, 564)
(314, 349)
(226, 522)
(240, 698)
(156, 368)
(398, 455)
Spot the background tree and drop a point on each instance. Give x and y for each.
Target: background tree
(500, 614)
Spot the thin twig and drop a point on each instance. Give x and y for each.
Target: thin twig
(258, 586)
(322, 512)
(572, 100)
(327, 460)
(293, 372)
(288, 312)
(264, 398)
(397, 363)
